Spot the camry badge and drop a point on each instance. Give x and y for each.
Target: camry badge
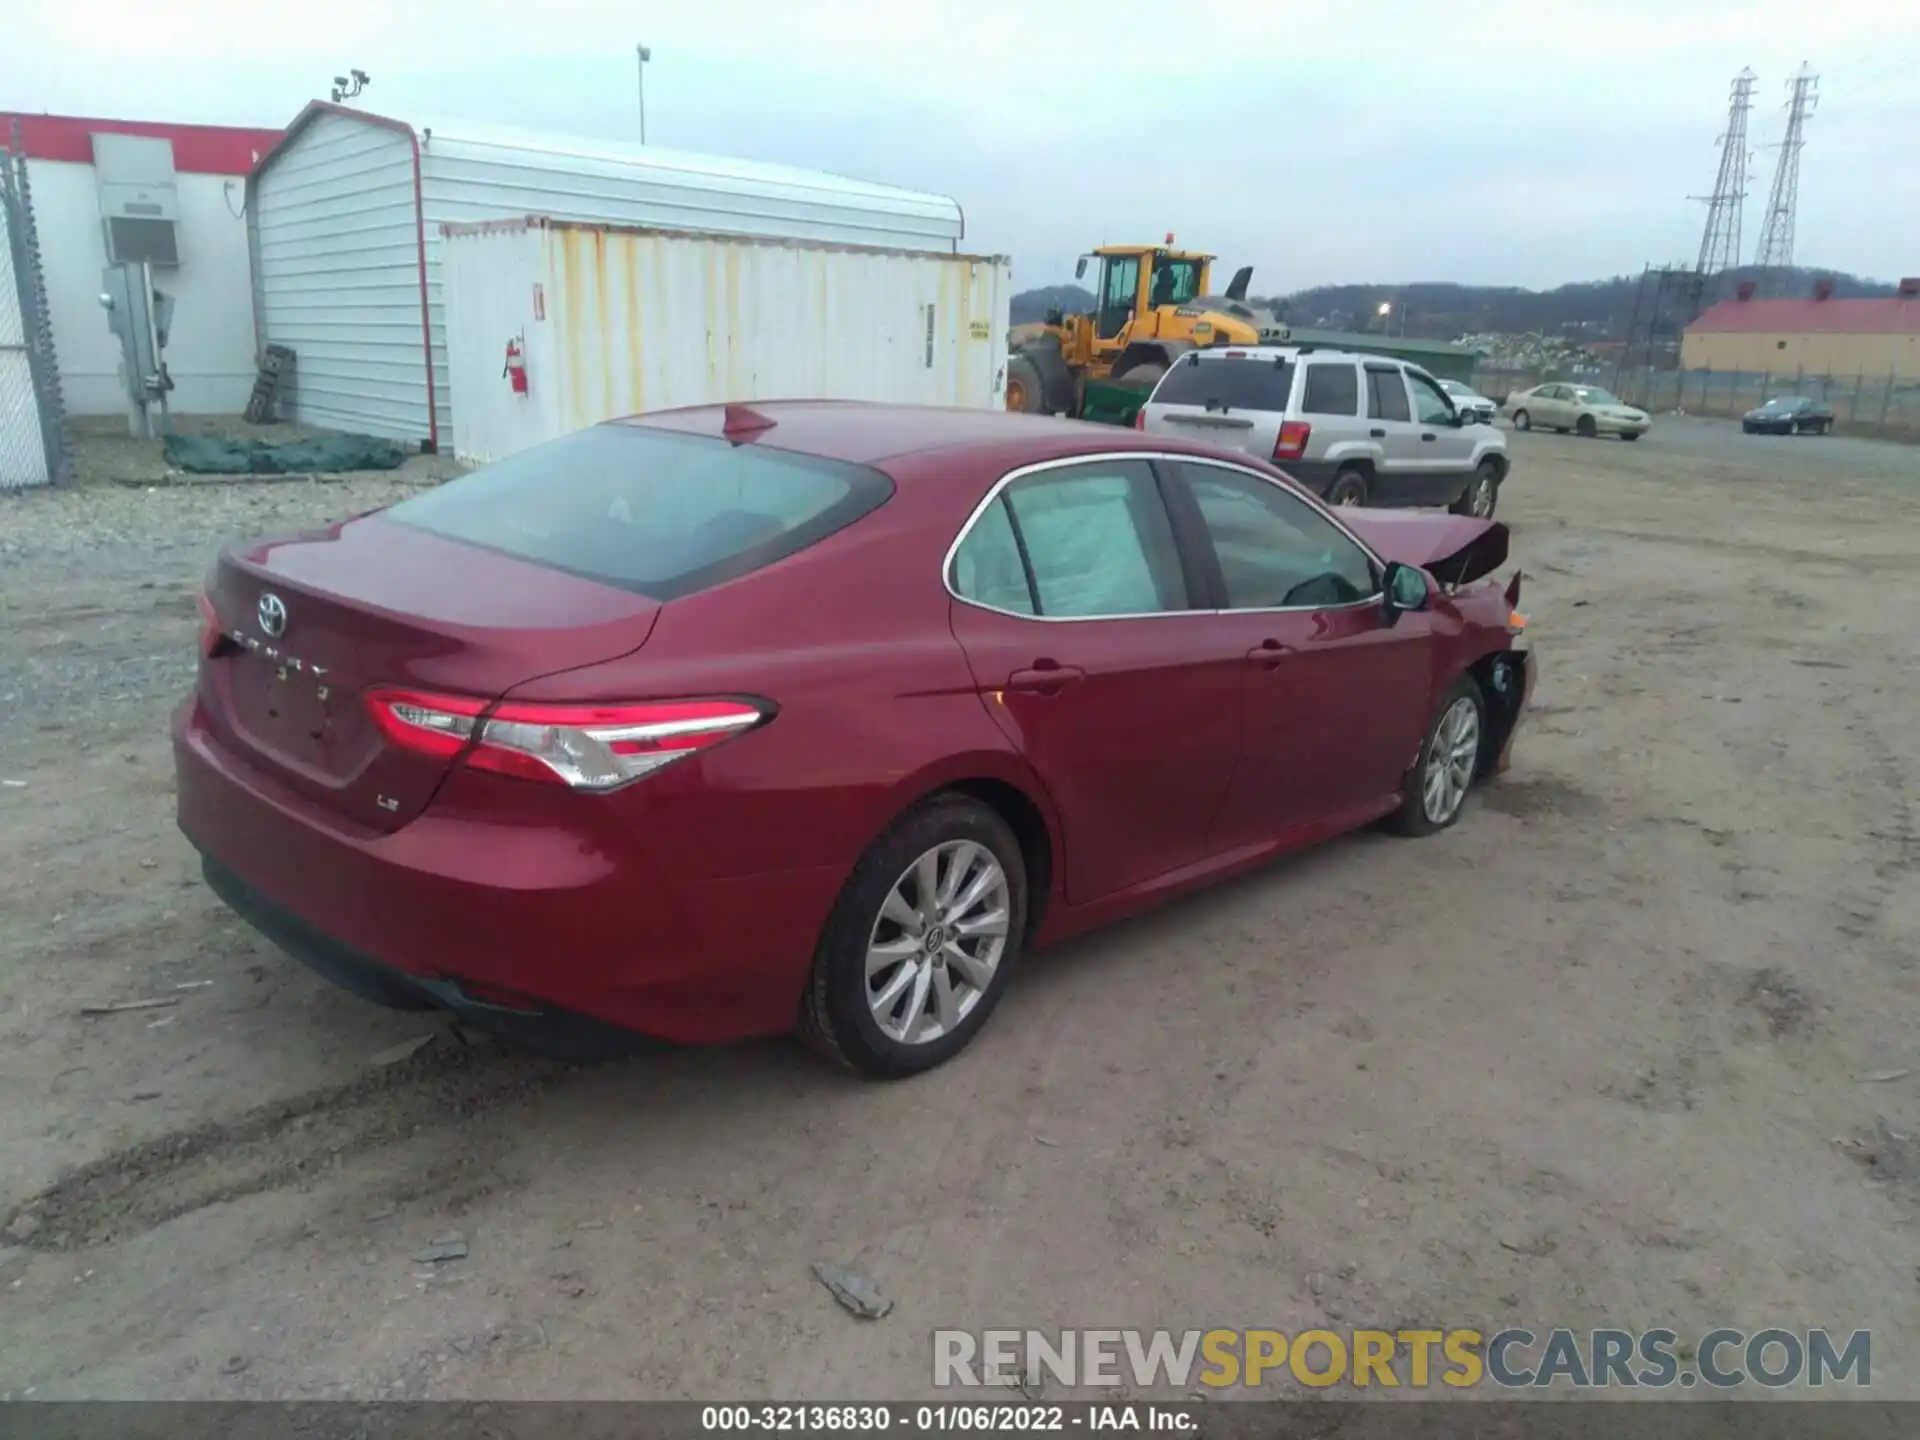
(273, 615)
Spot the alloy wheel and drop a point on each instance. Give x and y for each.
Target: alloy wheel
(937, 941)
(1450, 761)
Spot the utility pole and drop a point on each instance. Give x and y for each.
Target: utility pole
(1720, 240)
(641, 56)
(1776, 233)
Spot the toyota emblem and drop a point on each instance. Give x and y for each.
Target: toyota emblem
(273, 615)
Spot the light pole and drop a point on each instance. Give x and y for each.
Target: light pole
(641, 55)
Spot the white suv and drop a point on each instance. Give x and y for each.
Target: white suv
(1355, 429)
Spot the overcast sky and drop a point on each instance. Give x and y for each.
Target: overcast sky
(1526, 143)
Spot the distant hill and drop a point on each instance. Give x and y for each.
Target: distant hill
(1032, 305)
(1585, 312)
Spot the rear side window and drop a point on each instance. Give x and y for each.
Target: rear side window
(1386, 395)
(1331, 389)
(1078, 542)
(649, 510)
(1250, 384)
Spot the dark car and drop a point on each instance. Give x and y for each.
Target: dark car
(726, 722)
(1788, 415)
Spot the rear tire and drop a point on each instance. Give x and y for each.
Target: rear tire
(1025, 394)
(865, 951)
(1436, 788)
(1145, 376)
(1349, 488)
(1585, 428)
(1522, 420)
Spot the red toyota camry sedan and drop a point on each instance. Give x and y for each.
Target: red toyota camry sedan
(732, 721)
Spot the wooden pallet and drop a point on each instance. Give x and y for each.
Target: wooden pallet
(274, 364)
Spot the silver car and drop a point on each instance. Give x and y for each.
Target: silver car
(1469, 402)
(1354, 429)
(1584, 409)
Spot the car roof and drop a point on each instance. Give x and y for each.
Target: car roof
(1294, 352)
(865, 433)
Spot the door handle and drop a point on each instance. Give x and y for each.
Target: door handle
(1045, 679)
(1427, 435)
(1378, 434)
(1269, 654)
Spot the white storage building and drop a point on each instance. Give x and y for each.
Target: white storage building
(344, 225)
(607, 321)
(194, 181)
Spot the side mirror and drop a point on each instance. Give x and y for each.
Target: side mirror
(1402, 588)
(1080, 268)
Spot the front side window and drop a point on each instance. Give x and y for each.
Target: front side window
(1091, 540)
(1430, 401)
(1274, 548)
(1386, 395)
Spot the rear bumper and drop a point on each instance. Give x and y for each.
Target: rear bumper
(534, 1026)
(545, 925)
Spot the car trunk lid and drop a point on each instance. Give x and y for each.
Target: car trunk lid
(1454, 549)
(309, 625)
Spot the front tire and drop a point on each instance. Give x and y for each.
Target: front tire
(1629, 434)
(1436, 789)
(1482, 493)
(919, 946)
(1522, 420)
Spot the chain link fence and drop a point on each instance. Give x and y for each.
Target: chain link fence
(33, 436)
(1883, 404)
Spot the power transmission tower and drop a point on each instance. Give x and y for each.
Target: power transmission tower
(1776, 233)
(1720, 242)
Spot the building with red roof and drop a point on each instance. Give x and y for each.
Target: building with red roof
(1813, 334)
(198, 173)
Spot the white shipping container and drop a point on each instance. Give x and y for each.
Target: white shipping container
(614, 321)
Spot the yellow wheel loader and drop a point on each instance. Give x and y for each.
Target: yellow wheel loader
(1151, 307)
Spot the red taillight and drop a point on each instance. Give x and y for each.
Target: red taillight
(1292, 443)
(590, 747)
(210, 634)
(1140, 418)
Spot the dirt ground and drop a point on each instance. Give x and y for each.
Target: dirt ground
(1634, 1045)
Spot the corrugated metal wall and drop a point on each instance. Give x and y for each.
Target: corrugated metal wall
(617, 322)
(471, 174)
(337, 230)
(337, 276)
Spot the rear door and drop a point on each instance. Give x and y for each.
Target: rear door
(1331, 396)
(1081, 624)
(1234, 401)
(1550, 407)
(1334, 699)
(1446, 446)
(1390, 426)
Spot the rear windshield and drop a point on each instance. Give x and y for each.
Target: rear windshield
(1249, 384)
(648, 510)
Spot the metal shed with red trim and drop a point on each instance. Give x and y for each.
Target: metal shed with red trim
(344, 219)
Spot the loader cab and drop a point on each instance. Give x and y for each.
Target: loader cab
(1135, 280)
